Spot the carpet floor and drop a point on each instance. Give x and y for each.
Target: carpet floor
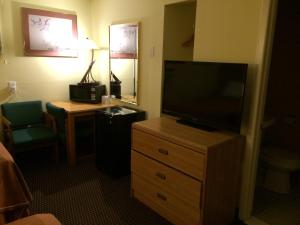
(83, 195)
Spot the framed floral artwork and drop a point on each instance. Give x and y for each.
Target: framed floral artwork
(48, 33)
(123, 41)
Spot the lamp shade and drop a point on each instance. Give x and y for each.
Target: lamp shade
(90, 44)
(87, 44)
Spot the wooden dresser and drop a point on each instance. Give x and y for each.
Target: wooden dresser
(187, 175)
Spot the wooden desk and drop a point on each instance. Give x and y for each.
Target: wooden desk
(75, 109)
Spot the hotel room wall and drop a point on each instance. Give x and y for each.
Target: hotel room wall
(150, 14)
(237, 31)
(227, 30)
(224, 32)
(179, 28)
(45, 78)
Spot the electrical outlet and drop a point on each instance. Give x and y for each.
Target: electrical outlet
(12, 85)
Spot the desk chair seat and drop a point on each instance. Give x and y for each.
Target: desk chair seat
(33, 135)
(26, 127)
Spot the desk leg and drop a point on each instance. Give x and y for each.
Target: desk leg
(71, 151)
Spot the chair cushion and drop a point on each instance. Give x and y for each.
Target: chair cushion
(33, 135)
(20, 114)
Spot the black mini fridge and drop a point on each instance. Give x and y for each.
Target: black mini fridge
(113, 139)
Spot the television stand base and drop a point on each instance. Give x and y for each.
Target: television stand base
(196, 125)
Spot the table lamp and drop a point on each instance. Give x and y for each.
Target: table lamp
(88, 78)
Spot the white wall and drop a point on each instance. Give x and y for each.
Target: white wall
(179, 28)
(150, 15)
(227, 30)
(236, 31)
(45, 78)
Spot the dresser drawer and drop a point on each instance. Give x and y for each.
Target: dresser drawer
(164, 203)
(179, 157)
(182, 186)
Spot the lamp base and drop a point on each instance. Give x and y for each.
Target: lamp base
(89, 84)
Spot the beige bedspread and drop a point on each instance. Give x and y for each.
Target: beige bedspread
(38, 219)
(15, 195)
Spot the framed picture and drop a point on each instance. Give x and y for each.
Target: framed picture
(49, 33)
(1, 48)
(123, 41)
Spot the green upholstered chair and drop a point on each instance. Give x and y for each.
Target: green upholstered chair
(84, 126)
(59, 115)
(26, 127)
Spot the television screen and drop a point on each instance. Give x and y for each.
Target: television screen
(205, 94)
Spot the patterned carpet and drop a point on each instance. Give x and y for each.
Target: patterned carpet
(82, 195)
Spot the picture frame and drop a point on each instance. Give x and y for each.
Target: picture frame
(123, 39)
(1, 46)
(49, 34)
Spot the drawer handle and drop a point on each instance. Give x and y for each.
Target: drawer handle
(161, 176)
(161, 196)
(163, 151)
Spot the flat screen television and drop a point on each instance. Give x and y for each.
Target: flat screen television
(207, 95)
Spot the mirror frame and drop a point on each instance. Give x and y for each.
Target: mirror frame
(122, 54)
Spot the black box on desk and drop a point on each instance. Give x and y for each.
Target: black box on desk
(113, 139)
(87, 92)
(115, 89)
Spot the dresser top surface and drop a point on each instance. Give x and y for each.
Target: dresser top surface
(169, 129)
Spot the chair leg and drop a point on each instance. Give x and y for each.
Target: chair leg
(56, 154)
(10, 149)
(94, 135)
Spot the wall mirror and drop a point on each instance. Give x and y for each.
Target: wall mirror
(123, 60)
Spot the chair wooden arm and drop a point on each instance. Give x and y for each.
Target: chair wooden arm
(6, 123)
(50, 121)
(7, 131)
(7, 127)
